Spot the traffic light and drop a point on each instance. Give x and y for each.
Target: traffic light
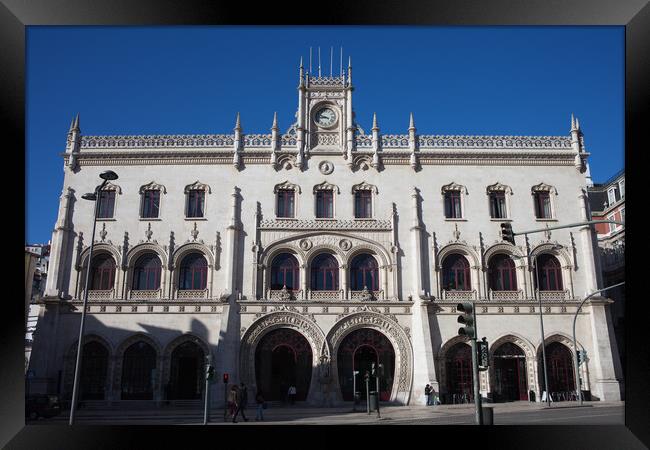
(506, 233)
(209, 373)
(467, 319)
(582, 355)
(225, 378)
(372, 369)
(483, 354)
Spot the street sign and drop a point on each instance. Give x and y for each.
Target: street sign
(483, 354)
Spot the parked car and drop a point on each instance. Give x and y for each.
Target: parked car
(42, 405)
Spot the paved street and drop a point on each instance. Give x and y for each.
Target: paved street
(515, 413)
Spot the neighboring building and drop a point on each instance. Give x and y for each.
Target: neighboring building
(305, 256)
(41, 256)
(607, 201)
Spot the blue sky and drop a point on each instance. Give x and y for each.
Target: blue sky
(193, 80)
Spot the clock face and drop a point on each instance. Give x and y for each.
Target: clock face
(325, 117)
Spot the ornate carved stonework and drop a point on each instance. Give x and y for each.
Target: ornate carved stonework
(326, 167)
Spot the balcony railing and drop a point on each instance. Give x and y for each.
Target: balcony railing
(550, 296)
(191, 293)
(506, 295)
(284, 295)
(459, 295)
(101, 294)
(326, 295)
(366, 295)
(145, 294)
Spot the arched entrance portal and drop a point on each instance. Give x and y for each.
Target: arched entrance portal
(283, 357)
(510, 373)
(137, 372)
(358, 351)
(559, 365)
(186, 370)
(459, 370)
(93, 371)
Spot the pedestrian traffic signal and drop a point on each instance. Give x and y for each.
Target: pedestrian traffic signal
(467, 319)
(225, 378)
(483, 354)
(209, 373)
(506, 233)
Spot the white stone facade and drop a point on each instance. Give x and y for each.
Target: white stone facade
(240, 234)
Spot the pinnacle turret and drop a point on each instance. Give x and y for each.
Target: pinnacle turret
(275, 121)
(411, 122)
(237, 123)
(374, 121)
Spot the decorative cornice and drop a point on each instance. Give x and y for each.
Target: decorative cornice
(286, 185)
(325, 186)
(497, 187)
(364, 186)
(153, 186)
(197, 185)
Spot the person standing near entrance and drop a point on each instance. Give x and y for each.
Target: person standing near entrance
(427, 394)
(242, 399)
(292, 394)
(259, 399)
(232, 400)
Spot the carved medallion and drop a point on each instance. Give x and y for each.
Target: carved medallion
(305, 244)
(345, 244)
(326, 167)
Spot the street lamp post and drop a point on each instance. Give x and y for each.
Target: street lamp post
(106, 176)
(575, 345)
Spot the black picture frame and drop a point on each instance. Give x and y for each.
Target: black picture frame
(15, 15)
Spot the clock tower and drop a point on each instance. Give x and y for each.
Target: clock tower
(325, 119)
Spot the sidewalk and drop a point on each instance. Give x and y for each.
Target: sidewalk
(305, 415)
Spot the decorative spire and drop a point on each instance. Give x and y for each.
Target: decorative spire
(302, 74)
(349, 70)
(76, 123)
(275, 121)
(237, 123)
(577, 124)
(274, 139)
(411, 123)
(374, 121)
(375, 142)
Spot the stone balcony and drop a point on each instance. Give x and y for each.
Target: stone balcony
(506, 295)
(284, 294)
(554, 296)
(106, 294)
(326, 295)
(459, 295)
(191, 294)
(145, 294)
(366, 295)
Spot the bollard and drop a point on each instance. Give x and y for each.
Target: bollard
(488, 415)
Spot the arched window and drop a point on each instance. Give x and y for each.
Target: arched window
(102, 272)
(549, 272)
(324, 273)
(146, 273)
(364, 272)
(194, 272)
(503, 274)
(285, 271)
(455, 273)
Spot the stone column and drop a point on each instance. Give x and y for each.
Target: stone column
(604, 358)
(423, 361)
(588, 254)
(60, 242)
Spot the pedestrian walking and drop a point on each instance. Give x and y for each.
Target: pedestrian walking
(261, 404)
(242, 399)
(292, 394)
(232, 400)
(427, 394)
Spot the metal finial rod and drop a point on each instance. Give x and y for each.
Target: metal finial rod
(319, 61)
(331, 59)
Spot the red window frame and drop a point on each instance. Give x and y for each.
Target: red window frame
(150, 204)
(325, 204)
(195, 203)
(285, 264)
(103, 273)
(362, 267)
(453, 206)
(106, 205)
(363, 204)
(503, 273)
(453, 266)
(324, 266)
(550, 278)
(542, 198)
(286, 203)
(146, 273)
(497, 204)
(193, 268)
